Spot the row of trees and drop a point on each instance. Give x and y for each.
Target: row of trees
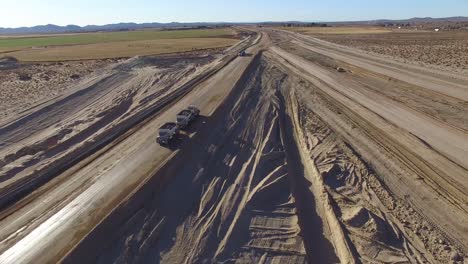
(394, 25)
(304, 25)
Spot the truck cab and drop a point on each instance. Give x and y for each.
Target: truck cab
(167, 132)
(186, 116)
(194, 110)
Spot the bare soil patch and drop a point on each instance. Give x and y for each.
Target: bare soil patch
(338, 30)
(446, 50)
(24, 85)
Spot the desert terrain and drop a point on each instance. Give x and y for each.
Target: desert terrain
(342, 146)
(446, 50)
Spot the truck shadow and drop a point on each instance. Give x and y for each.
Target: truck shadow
(184, 136)
(195, 125)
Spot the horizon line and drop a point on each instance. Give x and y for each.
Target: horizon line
(232, 22)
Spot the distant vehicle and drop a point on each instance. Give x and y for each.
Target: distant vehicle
(242, 53)
(186, 116)
(167, 132)
(339, 69)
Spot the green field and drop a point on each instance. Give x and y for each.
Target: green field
(113, 44)
(106, 37)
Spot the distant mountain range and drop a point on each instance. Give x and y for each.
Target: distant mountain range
(50, 29)
(415, 20)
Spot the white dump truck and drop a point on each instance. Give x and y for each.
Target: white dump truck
(186, 116)
(167, 132)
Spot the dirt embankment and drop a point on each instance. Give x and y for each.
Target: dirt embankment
(422, 232)
(353, 193)
(35, 146)
(23, 86)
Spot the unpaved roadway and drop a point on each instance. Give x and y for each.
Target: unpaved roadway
(290, 161)
(61, 200)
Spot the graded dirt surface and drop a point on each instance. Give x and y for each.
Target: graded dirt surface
(337, 30)
(290, 161)
(446, 50)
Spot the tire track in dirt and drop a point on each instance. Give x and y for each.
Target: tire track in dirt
(247, 191)
(440, 173)
(153, 79)
(444, 108)
(232, 201)
(283, 171)
(417, 231)
(138, 155)
(446, 83)
(145, 87)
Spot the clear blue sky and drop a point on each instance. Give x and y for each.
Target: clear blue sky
(15, 13)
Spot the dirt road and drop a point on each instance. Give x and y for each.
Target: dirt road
(426, 171)
(57, 202)
(290, 161)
